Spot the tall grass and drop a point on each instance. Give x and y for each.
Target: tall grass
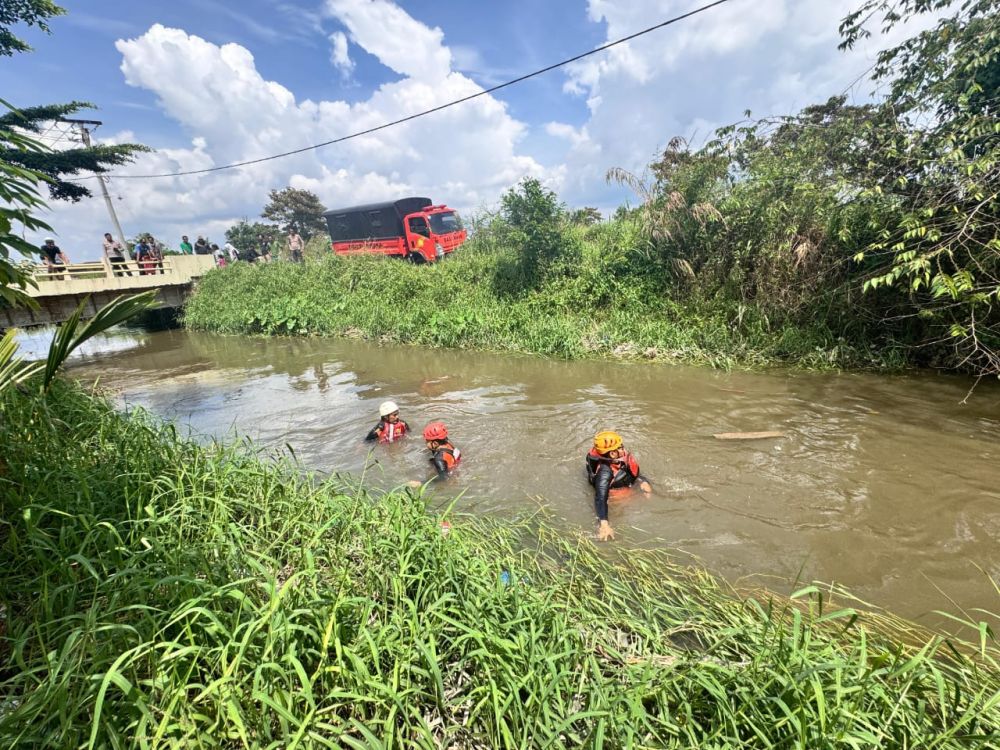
(595, 305)
(154, 593)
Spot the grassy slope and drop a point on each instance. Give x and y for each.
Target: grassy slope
(154, 592)
(594, 309)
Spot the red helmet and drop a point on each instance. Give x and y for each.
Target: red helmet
(436, 431)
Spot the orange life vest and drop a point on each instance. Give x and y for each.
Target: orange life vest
(624, 469)
(390, 431)
(449, 454)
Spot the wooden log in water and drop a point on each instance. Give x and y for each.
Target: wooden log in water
(748, 435)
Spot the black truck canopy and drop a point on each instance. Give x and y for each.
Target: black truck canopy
(373, 220)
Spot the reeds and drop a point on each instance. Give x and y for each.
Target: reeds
(154, 593)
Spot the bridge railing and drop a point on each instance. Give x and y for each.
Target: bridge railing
(101, 270)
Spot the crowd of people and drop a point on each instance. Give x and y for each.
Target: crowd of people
(144, 255)
(147, 252)
(256, 251)
(611, 469)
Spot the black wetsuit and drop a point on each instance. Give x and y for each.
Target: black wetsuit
(607, 474)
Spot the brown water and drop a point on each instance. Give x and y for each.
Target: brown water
(887, 485)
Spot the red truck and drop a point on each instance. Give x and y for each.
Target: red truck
(411, 228)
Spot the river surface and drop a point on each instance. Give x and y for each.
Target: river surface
(889, 486)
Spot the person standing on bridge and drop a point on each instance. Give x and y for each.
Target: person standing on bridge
(186, 248)
(201, 247)
(114, 254)
(156, 253)
(143, 256)
(54, 258)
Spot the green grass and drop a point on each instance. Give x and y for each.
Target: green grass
(594, 307)
(155, 593)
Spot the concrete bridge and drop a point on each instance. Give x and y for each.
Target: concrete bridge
(60, 291)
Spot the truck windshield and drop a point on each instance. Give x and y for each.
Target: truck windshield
(446, 222)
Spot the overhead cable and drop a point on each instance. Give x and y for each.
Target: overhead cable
(438, 108)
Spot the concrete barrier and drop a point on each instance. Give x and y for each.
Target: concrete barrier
(59, 294)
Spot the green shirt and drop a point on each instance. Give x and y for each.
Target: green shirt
(186, 248)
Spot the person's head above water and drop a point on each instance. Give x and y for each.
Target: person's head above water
(388, 411)
(608, 443)
(435, 433)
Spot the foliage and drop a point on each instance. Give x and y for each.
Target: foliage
(604, 304)
(586, 216)
(60, 164)
(28, 12)
(246, 235)
(300, 209)
(158, 593)
(21, 202)
(535, 222)
(941, 169)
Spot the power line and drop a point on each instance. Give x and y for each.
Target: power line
(440, 107)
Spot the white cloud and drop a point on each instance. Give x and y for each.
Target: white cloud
(466, 155)
(768, 56)
(338, 53)
(397, 39)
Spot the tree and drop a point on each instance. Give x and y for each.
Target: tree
(296, 208)
(941, 167)
(21, 201)
(29, 12)
(67, 163)
(245, 235)
(536, 221)
(586, 217)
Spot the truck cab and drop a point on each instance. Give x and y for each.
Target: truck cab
(410, 228)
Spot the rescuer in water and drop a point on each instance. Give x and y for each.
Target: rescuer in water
(390, 427)
(444, 455)
(611, 467)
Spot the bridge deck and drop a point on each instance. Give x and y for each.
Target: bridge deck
(60, 291)
(90, 278)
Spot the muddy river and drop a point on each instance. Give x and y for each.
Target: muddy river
(889, 486)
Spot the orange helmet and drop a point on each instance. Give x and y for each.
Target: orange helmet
(436, 431)
(607, 441)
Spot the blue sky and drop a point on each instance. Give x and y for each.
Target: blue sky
(207, 82)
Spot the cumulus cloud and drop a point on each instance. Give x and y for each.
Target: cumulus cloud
(397, 39)
(466, 155)
(338, 53)
(769, 56)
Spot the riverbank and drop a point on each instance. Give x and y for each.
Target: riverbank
(597, 305)
(157, 590)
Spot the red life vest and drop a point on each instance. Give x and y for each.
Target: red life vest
(624, 469)
(390, 431)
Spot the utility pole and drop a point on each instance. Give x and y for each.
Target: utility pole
(84, 127)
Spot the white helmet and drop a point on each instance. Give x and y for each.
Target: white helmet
(386, 408)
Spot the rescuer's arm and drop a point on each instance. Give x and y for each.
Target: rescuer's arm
(375, 432)
(440, 466)
(602, 484)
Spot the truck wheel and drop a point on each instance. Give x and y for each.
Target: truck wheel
(416, 258)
